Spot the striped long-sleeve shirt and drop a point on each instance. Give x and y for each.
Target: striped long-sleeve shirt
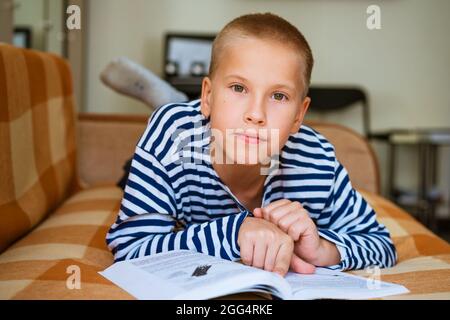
(174, 198)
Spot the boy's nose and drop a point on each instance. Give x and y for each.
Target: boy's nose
(255, 114)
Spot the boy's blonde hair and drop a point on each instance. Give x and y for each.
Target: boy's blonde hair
(264, 26)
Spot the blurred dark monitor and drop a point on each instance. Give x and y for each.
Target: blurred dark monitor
(186, 60)
(22, 37)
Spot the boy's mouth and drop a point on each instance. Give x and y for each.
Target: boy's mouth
(249, 136)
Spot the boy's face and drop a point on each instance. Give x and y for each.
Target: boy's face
(254, 99)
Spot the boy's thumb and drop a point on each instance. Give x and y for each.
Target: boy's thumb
(300, 266)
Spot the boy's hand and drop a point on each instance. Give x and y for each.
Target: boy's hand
(264, 245)
(294, 220)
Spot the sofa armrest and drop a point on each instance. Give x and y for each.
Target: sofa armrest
(105, 143)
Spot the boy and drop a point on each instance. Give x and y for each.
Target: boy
(235, 174)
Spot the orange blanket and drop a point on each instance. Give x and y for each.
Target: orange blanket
(45, 263)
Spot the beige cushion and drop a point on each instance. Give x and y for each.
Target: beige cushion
(73, 238)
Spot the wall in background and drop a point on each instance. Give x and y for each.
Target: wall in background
(30, 13)
(45, 18)
(55, 36)
(404, 66)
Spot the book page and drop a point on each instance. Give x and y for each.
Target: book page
(329, 284)
(186, 274)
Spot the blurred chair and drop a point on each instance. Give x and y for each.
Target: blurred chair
(326, 99)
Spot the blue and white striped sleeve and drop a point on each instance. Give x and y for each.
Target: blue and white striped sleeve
(148, 214)
(352, 226)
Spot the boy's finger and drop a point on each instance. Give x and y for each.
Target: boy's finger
(259, 255)
(283, 259)
(271, 255)
(258, 213)
(286, 223)
(275, 204)
(280, 211)
(246, 251)
(300, 266)
(297, 229)
(302, 228)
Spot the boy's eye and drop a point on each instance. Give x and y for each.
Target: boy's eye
(237, 88)
(279, 96)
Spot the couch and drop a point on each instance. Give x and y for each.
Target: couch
(58, 193)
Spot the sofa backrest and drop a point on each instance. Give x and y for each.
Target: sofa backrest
(37, 138)
(354, 152)
(111, 140)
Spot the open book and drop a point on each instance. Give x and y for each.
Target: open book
(184, 274)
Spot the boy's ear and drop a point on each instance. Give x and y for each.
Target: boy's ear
(206, 97)
(301, 112)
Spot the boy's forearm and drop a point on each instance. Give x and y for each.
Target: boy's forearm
(377, 240)
(196, 237)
